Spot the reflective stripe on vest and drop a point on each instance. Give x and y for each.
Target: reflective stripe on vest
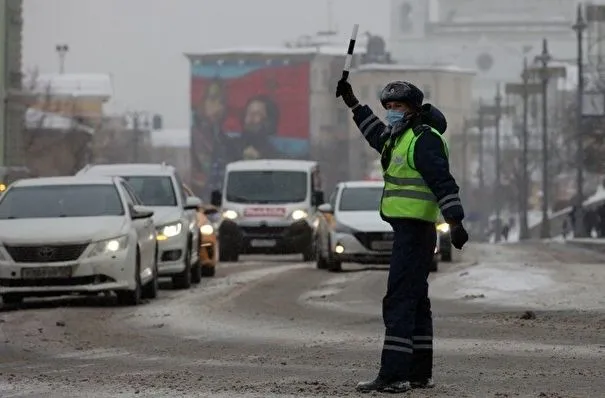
(406, 194)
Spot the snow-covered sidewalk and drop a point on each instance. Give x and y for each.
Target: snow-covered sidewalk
(531, 280)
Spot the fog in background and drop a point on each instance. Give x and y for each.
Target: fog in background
(141, 42)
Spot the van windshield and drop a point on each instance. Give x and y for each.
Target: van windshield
(267, 186)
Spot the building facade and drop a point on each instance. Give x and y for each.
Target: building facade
(265, 103)
(11, 108)
(490, 36)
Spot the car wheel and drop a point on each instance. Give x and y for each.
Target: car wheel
(196, 271)
(132, 297)
(208, 271)
(150, 291)
(320, 261)
(12, 299)
(309, 252)
(183, 280)
(335, 266)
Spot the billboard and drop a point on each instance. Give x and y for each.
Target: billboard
(256, 109)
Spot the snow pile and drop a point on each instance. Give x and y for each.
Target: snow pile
(503, 284)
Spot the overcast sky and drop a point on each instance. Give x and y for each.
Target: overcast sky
(141, 42)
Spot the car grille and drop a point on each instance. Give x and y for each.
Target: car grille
(263, 231)
(366, 238)
(46, 254)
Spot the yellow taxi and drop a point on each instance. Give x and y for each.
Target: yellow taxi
(207, 218)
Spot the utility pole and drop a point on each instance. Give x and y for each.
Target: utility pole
(62, 50)
(498, 182)
(495, 111)
(481, 127)
(525, 90)
(465, 128)
(580, 26)
(544, 59)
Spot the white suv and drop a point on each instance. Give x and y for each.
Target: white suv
(175, 216)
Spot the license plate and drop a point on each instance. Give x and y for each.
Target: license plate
(46, 272)
(382, 245)
(263, 243)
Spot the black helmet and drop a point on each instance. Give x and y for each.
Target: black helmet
(404, 92)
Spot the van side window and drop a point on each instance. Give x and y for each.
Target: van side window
(316, 180)
(332, 200)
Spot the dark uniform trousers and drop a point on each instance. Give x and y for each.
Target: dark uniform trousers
(407, 352)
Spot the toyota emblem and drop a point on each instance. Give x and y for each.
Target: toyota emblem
(46, 253)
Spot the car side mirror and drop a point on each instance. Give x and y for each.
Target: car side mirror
(216, 198)
(318, 198)
(192, 203)
(326, 208)
(140, 212)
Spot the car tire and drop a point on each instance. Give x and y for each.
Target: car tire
(335, 266)
(228, 256)
(150, 291)
(208, 271)
(183, 279)
(12, 299)
(320, 261)
(309, 252)
(434, 265)
(132, 297)
(196, 271)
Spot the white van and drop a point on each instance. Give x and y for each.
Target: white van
(268, 207)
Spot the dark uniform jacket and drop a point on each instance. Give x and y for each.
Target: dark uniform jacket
(430, 157)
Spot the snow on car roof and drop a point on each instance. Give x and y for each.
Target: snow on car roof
(362, 184)
(129, 169)
(271, 164)
(69, 180)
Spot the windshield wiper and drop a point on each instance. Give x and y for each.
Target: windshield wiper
(238, 199)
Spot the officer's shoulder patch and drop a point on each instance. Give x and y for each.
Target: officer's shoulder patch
(422, 128)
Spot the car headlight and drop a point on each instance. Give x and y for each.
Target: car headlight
(169, 231)
(230, 214)
(343, 229)
(109, 246)
(207, 229)
(443, 227)
(299, 215)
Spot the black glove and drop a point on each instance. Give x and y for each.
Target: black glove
(459, 235)
(345, 90)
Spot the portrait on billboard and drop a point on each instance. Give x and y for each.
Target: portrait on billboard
(246, 110)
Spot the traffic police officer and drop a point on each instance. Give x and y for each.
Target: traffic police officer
(418, 185)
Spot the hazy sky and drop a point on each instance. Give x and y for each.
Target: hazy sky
(141, 42)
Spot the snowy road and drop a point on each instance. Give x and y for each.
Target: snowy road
(276, 327)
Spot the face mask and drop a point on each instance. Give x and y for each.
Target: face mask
(394, 116)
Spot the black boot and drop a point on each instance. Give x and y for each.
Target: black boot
(423, 383)
(382, 385)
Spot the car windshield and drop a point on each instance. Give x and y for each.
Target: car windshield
(267, 186)
(153, 190)
(52, 201)
(360, 199)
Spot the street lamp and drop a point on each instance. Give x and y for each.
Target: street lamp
(544, 58)
(525, 90)
(497, 190)
(580, 26)
(62, 50)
